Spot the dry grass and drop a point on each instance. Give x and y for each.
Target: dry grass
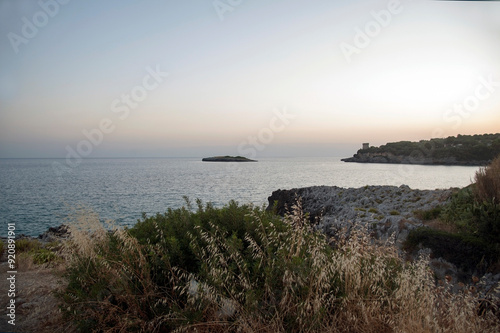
(439, 224)
(110, 266)
(37, 309)
(294, 282)
(31, 254)
(25, 262)
(487, 181)
(27, 244)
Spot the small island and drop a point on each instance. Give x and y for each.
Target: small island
(227, 159)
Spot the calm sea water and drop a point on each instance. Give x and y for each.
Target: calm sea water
(35, 196)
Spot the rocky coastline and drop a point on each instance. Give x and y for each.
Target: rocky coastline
(389, 213)
(404, 159)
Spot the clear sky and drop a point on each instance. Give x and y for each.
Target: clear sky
(271, 77)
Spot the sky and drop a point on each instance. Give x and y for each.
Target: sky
(261, 78)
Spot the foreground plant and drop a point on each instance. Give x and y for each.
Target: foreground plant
(472, 219)
(240, 268)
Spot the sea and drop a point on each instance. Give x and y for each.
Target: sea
(36, 194)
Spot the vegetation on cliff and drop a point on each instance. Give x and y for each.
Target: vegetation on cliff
(462, 149)
(473, 215)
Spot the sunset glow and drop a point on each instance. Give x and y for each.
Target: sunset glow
(227, 72)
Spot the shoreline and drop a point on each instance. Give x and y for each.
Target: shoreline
(379, 159)
(334, 203)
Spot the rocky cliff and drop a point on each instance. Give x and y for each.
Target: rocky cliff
(404, 159)
(386, 210)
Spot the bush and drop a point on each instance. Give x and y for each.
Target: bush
(474, 212)
(471, 254)
(479, 219)
(430, 214)
(487, 183)
(44, 256)
(459, 210)
(240, 268)
(32, 251)
(27, 245)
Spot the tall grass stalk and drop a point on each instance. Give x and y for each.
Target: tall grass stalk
(487, 182)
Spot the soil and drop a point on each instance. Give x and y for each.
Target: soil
(37, 308)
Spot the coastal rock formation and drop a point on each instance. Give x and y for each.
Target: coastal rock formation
(55, 234)
(385, 210)
(403, 159)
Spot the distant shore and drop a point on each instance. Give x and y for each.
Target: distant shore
(463, 150)
(388, 158)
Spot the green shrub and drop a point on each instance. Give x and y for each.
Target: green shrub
(173, 231)
(459, 210)
(427, 215)
(475, 214)
(44, 256)
(470, 253)
(37, 252)
(394, 212)
(481, 219)
(27, 245)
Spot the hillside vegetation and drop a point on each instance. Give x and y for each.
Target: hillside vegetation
(462, 149)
